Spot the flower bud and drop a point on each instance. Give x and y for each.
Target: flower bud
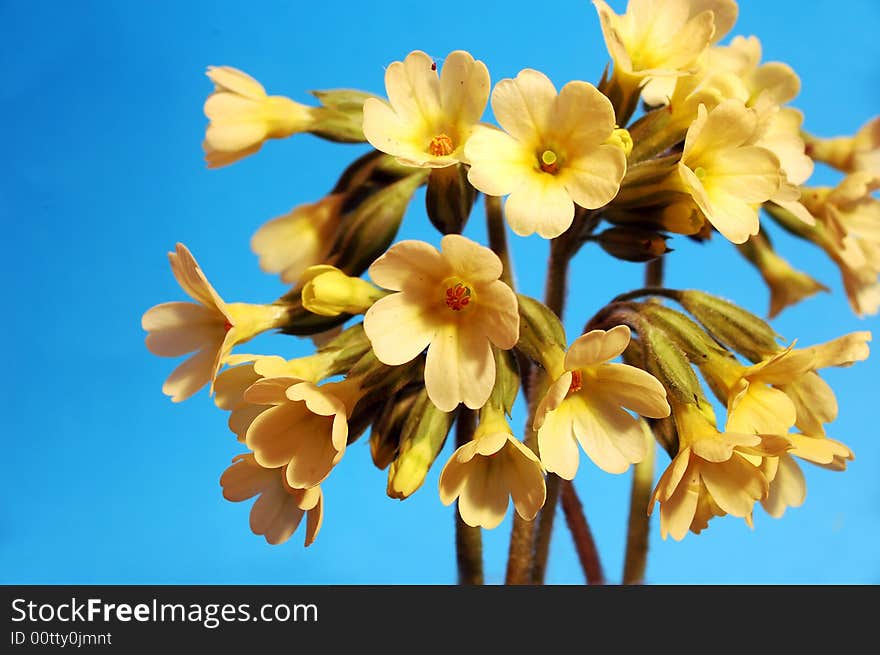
(787, 285)
(388, 428)
(849, 153)
(421, 440)
(330, 292)
(449, 198)
(687, 335)
(621, 138)
(733, 326)
(341, 118)
(541, 335)
(373, 224)
(667, 362)
(632, 244)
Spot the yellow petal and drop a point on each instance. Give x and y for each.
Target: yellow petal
(735, 485)
(484, 498)
(523, 106)
(414, 89)
(459, 368)
(192, 374)
(597, 347)
(497, 315)
(552, 399)
(524, 478)
(469, 260)
(540, 204)
(582, 118)
(409, 265)
(593, 178)
(399, 328)
(788, 488)
(245, 479)
(556, 444)
(464, 88)
(632, 388)
(237, 81)
(177, 328)
(498, 161)
(611, 437)
(192, 280)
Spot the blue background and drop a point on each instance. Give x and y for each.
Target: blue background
(106, 481)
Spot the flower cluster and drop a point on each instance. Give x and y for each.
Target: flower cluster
(412, 338)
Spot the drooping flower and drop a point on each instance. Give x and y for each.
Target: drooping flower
(850, 154)
(305, 428)
(788, 487)
(209, 327)
(484, 472)
(243, 116)
(557, 151)
(712, 474)
(451, 302)
(279, 510)
(585, 404)
(725, 175)
(429, 116)
(289, 244)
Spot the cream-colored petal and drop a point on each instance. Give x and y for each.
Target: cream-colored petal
(241, 418)
(597, 347)
(273, 434)
(275, 515)
(713, 449)
(677, 513)
(556, 444)
(632, 388)
(497, 315)
(610, 436)
(735, 485)
(177, 328)
(245, 479)
(389, 132)
(735, 219)
(191, 375)
(498, 161)
(729, 125)
(673, 475)
(191, 278)
(523, 106)
(469, 260)
(312, 452)
(556, 393)
(219, 159)
(269, 391)
(459, 368)
(399, 327)
(814, 400)
(319, 400)
(414, 89)
(842, 351)
(540, 204)
(484, 497)
(453, 476)
(582, 118)
(788, 488)
(464, 88)
(235, 136)
(230, 385)
(761, 410)
(724, 12)
(778, 81)
(314, 520)
(409, 265)
(524, 478)
(490, 444)
(593, 178)
(236, 81)
(750, 173)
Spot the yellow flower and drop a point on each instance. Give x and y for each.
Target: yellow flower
(289, 244)
(725, 175)
(557, 150)
(850, 154)
(244, 370)
(787, 485)
(430, 116)
(484, 472)
(451, 302)
(850, 216)
(210, 327)
(279, 510)
(585, 405)
(654, 40)
(712, 474)
(327, 291)
(242, 116)
(304, 430)
(774, 80)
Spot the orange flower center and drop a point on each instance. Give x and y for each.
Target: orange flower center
(549, 162)
(577, 382)
(441, 145)
(458, 297)
(227, 326)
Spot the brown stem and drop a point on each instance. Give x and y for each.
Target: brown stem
(468, 540)
(581, 533)
(497, 232)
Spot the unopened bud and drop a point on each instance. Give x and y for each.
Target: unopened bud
(669, 364)
(449, 198)
(682, 217)
(422, 439)
(849, 153)
(621, 138)
(632, 244)
(541, 335)
(341, 118)
(372, 226)
(687, 335)
(731, 325)
(388, 428)
(787, 285)
(330, 292)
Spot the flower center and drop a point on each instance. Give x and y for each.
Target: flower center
(227, 326)
(700, 172)
(577, 382)
(441, 145)
(458, 295)
(549, 162)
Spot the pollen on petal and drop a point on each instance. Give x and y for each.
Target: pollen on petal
(441, 146)
(549, 162)
(458, 297)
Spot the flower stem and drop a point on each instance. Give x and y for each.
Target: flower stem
(638, 526)
(468, 540)
(497, 232)
(581, 533)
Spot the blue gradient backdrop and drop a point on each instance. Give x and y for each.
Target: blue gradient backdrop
(106, 481)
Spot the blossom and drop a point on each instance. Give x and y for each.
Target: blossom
(657, 38)
(585, 405)
(712, 474)
(209, 327)
(850, 154)
(450, 301)
(552, 156)
(289, 244)
(304, 430)
(725, 175)
(242, 116)
(788, 487)
(774, 80)
(430, 116)
(327, 291)
(485, 471)
(279, 510)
